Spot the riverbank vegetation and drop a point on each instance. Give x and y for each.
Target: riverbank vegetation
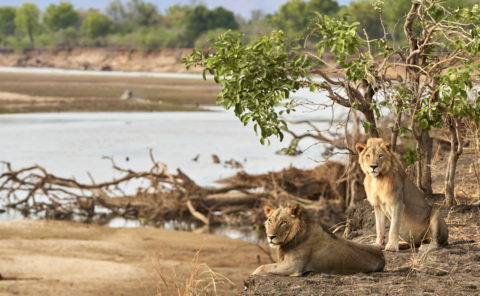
(138, 24)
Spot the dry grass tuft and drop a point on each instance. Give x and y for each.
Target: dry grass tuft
(200, 280)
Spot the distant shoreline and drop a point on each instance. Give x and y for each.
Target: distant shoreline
(99, 59)
(27, 90)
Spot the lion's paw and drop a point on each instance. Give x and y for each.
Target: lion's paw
(428, 247)
(392, 247)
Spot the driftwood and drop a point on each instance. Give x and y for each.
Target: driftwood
(156, 196)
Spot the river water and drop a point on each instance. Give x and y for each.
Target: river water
(72, 144)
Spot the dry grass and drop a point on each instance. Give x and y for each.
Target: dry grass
(200, 279)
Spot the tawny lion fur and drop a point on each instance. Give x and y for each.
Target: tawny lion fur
(395, 197)
(304, 246)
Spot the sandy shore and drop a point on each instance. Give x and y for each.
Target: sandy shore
(42, 92)
(66, 258)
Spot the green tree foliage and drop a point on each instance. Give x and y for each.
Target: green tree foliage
(369, 19)
(294, 16)
(96, 25)
(27, 20)
(255, 78)
(142, 14)
(135, 14)
(7, 21)
(256, 27)
(175, 15)
(439, 61)
(394, 13)
(201, 20)
(116, 11)
(60, 16)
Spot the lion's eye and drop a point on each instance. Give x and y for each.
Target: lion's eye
(380, 155)
(368, 156)
(269, 221)
(283, 223)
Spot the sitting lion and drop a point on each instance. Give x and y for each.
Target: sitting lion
(304, 246)
(394, 196)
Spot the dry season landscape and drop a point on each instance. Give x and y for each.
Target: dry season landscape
(59, 258)
(304, 84)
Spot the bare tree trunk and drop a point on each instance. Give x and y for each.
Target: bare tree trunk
(396, 129)
(423, 167)
(368, 112)
(456, 149)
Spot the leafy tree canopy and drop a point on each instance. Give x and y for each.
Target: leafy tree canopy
(255, 78)
(96, 25)
(202, 19)
(116, 11)
(27, 20)
(60, 16)
(142, 14)
(294, 16)
(7, 23)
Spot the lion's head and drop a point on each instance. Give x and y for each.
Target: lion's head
(282, 224)
(375, 157)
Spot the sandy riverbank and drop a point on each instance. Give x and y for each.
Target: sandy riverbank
(65, 258)
(34, 92)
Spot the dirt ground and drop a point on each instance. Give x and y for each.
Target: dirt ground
(66, 258)
(454, 270)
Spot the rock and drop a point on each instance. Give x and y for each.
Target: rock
(215, 158)
(127, 95)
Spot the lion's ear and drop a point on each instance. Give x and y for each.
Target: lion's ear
(267, 210)
(388, 145)
(295, 210)
(359, 147)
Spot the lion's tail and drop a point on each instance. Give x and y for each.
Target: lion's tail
(438, 228)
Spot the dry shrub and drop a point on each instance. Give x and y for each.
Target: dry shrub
(200, 280)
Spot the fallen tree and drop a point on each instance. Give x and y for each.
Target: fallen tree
(157, 195)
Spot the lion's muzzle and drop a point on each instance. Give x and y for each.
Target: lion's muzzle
(272, 242)
(374, 170)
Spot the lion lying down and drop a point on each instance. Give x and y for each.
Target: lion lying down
(304, 246)
(395, 197)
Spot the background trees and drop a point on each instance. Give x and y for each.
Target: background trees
(7, 23)
(201, 19)
(294, 16)
(27, 20)
(60, 16)
(96, 25)
(138, 24)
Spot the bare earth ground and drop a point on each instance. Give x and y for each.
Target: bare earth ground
(454, 270)
(25, 92)
(64, 258)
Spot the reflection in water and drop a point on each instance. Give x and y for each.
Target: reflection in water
(246, 233)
